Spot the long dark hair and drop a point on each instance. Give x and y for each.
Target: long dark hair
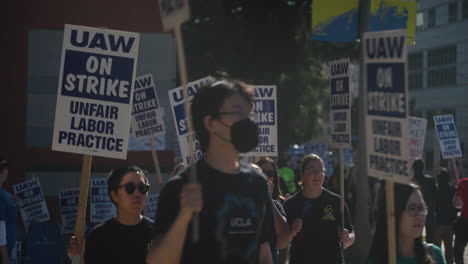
(277, 193)
(379, 249)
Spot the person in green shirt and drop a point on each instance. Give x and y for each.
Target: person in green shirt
(410, 217)
(288, 177)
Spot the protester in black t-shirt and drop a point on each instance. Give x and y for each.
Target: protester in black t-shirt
(445, 214)
(315, 219)
(126, 237)
(231, 197)
(279, 233)
(429, 190)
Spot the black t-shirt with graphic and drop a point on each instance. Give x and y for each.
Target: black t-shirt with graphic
(113, 242)
(318, 240)
(236, 216)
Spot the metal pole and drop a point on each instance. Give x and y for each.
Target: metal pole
(362, 224)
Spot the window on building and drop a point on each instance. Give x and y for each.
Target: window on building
(415, 80)
(442, 77)
(452, 12)
(431, 17)
(415, 67)
(465, 9)
(442, 56)
(415, 61)
(419, 21)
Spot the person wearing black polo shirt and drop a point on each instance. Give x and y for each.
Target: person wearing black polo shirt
(314, 216)
(231, 197)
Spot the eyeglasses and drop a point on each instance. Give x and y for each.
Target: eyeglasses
(415, 209)
(131, 187)
(314, 172)
(241, 115)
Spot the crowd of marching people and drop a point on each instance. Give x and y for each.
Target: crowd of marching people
(225, 210)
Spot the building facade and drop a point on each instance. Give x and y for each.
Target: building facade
(438, 70)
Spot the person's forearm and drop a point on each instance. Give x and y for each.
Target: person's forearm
(4, 254)
(284, 241)
(350, 241)
(168, 247)
(282, 229)
(265, 254)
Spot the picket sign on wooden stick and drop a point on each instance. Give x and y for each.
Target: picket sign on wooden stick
(342, 189)
(455, 168)
(188, 114)
(389, 196)
(156, 162)
(83, 202)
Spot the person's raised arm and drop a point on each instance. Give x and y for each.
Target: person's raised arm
(167, 247)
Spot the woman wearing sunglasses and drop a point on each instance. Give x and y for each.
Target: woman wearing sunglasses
(410, 217)
(280, 231)
(126, 237)
(316, 234)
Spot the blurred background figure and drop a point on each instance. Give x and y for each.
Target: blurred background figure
(429, 191)
(460, 201)
(288, 177)
(8, 214)
(445, 214)
(278, 241)
(178, 168)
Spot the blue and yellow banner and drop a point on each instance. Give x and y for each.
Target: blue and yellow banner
(338, 20)
(335, 20)
(394, 14)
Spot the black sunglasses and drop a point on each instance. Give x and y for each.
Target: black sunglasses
(130, 187)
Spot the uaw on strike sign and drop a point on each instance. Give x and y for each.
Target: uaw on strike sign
(263, 112)
(147, 120)
(176, 97)
(385, 56)
(447, 135)
(340, 105)
(95, 91)
(264, 115)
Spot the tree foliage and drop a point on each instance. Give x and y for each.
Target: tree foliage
(266, 42)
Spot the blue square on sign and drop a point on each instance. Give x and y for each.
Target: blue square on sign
(339, 93)
(386, 93)
(96, 76)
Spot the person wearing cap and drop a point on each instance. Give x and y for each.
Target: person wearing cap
(8, 214)
(126, 237)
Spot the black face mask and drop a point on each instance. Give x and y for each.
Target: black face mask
(244, 135)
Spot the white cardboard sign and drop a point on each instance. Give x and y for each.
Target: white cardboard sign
(95, 91)
(385, 58)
